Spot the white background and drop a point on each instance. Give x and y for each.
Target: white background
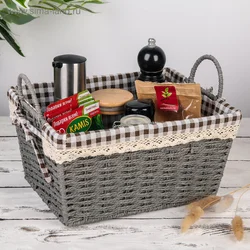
(111, 40)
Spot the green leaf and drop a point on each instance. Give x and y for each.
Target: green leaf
(82, 8)
(4, 24)
(86, 2)
(10, 4)
(6, 34)
(94, 1)
(22, 3)
(57, 8)
(61, 3)
(41, 7)
(16, 17)
(57, 1)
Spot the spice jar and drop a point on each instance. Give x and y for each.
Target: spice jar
(141, 107)
(112, 104)
(128, 120)
(112, 100)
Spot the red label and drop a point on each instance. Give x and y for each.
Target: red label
(67, 104)
(60, 107)
(94, 113)
(166, 98)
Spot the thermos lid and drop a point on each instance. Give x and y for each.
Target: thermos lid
(112, 100)
(68, 59)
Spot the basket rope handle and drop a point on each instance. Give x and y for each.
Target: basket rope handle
(36, 112)
(218, 67)
(23, 77)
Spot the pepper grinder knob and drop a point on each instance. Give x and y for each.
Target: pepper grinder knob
(151, 60)
(151, 42)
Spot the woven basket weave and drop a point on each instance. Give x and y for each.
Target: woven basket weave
(108, 174)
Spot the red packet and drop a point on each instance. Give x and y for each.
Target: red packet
(166, 98)
(78, 120)
(66, 104)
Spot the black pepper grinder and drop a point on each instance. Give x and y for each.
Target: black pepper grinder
(151, 60)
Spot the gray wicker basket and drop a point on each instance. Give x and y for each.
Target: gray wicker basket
(98, 183)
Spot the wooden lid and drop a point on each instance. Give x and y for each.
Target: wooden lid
(112, 98)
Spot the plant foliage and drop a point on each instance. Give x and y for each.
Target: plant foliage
(20, 12)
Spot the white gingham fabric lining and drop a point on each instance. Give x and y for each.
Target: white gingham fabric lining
(132, 133)
(68, 155)
(218, 114)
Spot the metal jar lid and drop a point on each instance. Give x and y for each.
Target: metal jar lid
(134, 120)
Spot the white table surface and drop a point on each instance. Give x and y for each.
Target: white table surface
(26, 222)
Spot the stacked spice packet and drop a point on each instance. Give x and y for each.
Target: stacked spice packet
(77, 113)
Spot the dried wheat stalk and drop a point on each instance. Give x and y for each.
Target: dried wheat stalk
(237, 226)
(225, 202)
(196, 210)
(193, 216)
(205, 202)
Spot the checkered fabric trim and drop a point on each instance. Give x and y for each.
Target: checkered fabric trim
(41, 162)
(132, 133)
(172, 75)
(124, 81)
(44, 93)
(30, 131)
(13, 97)
(217, 114)
(220, 106)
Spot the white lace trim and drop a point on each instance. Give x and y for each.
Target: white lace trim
(69, 155)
